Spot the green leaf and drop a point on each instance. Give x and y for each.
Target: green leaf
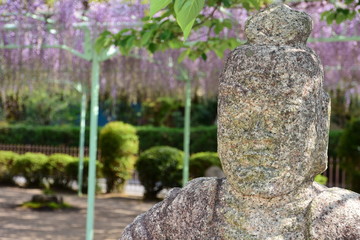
(203, 56)
(234, 42)
(153, 47)
(340, 17)
(157, 5)
(175, 43)
(255, 3)
(105, 40)
(219, 52)
(324, 15)
(246, 5)
(226, 3)
(218, 28)
(166, 34)
(352, 15)
(187, 29)
(227, 23)
(130, 42)
(330, 17)
(186, 11)
(146, 37)
(183, 55)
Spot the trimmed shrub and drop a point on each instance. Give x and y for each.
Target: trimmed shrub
(203, 139)
(35, 167)
(119, 146)
(348, 151)
(32, 167)
(56, 168)
(200, 162)
(159, 167)
(7, 160)
(72, 168)
(321, 179)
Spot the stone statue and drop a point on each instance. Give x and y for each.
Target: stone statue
(273, 120)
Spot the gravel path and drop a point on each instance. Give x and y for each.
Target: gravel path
(112, 214)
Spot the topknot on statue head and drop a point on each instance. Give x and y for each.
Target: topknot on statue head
(278, 25)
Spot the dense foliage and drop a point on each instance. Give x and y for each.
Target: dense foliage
(159, 167)
(348, 151)
(200, 162)
(40, 135)
(119, 146)
(31, 167)
(72, 169)
(7, 160)
(202, 138)
(342, 10)
(55, 167)
(55, 171)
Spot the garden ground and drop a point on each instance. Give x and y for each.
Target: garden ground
(112, 213)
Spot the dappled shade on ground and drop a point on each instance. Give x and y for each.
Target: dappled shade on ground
(112, 214)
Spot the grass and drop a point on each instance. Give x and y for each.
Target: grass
(48, 205)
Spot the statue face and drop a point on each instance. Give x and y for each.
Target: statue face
(272, 137)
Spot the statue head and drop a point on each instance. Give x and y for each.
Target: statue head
(273, 114)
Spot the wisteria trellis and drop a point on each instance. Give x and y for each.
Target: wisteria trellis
(137, 78)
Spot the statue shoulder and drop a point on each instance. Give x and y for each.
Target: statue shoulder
(335, 214)
(182, 210)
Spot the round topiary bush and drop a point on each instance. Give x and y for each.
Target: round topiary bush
(72, 169)
(119, 146)
(200, 162)
(56, 168)
(32, 167)
(159, 167)
(7, 160)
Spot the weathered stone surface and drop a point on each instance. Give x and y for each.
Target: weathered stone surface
(273, 124)
(278, 25)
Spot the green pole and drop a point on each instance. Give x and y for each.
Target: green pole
(187, 130)
(82, 142)
(93, 145)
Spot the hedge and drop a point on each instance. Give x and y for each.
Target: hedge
(7, 161)
(36, 167)
(200, 162)
(159, 167)
(41, 135)
(32, 167)
(203, 139)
